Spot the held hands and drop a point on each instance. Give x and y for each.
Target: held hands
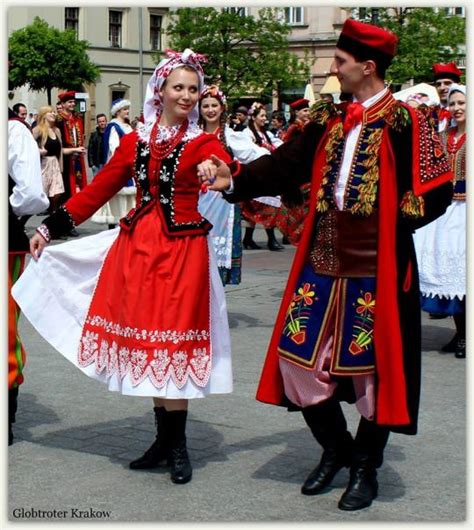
(37, 244)
(214, 174)
(78, 151)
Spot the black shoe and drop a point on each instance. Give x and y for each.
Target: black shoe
(362, 489)
(274, 245)
(322, 475)
(159, 451)
(450, 347)
(272, 241)
(460, 352)
(250, 245)
(73, 233)
(437, 316)
(285, 241)
(10, 434)
(181, 470)
(153, 457)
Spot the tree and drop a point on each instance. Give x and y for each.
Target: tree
(44, 58)
(245, 54)
(426, 36)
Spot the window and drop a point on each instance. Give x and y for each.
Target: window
(241, 11)
(118, 94)
(71, 18)
(455, 11)
(294, 16)
(155, 32)
(115, 29)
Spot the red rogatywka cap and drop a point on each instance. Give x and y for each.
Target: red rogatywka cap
(446, 71)
(66, 96)
(300, 104)
(359, 38)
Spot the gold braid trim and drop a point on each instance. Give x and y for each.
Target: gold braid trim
(335, 135)
(412, 206)
(321, 111)
(367, 189)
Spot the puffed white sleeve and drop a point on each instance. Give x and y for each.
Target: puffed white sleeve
(276, 142)
(243, 148)
(114, 141)
(24, 167)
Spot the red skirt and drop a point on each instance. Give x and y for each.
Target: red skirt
(150, 312)
(258, 212)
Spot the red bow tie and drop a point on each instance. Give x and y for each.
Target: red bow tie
(444, 114)
(354, 113)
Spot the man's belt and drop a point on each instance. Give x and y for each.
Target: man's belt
(345, 245)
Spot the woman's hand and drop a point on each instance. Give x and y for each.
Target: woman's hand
(215, 174)
(43, 151)
(37, 244)
(206, 170)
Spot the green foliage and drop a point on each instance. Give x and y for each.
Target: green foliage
(426, 36)
(46, 58)
(245, 54)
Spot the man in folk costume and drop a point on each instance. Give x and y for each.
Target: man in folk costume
(26, 197)
(72, 134)
(444, 75)
(349, 325)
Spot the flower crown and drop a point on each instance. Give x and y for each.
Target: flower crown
(213, 91)
(177, 58)
(255, 108)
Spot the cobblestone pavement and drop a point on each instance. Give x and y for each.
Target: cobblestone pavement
(74, 439)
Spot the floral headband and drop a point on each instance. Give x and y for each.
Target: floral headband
(255, 108)
(153, 105)
(213, 91)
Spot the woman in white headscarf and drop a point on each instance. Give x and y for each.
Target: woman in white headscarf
(141, 307)
(441, 245)
(119, 205)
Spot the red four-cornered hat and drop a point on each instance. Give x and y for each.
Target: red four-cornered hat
(446, 71)
(368, 36)
(300, 104)
(66, 96)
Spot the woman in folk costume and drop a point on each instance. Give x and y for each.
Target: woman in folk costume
(225, 217)
(263, 210)
(295, 205)
(119, 205)
(141, 307)
(441, 245)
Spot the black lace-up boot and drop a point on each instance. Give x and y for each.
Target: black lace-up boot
(159, 451)
(181, 470)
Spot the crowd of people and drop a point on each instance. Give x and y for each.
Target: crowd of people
(349, 183)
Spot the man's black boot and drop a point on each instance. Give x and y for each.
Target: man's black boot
(369, 445)
(159, 451)
(329, 427)
(181, 469)
(323, 474)
(362, 488)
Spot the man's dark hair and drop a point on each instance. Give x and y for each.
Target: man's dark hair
(101, 115)
(16, 107)
(382, 61)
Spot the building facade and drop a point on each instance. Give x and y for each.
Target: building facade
(123, 39)
(125, 60)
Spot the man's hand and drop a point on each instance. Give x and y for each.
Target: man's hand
(37, 244)
(215, 174)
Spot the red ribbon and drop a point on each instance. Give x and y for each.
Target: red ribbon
(354, 113)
